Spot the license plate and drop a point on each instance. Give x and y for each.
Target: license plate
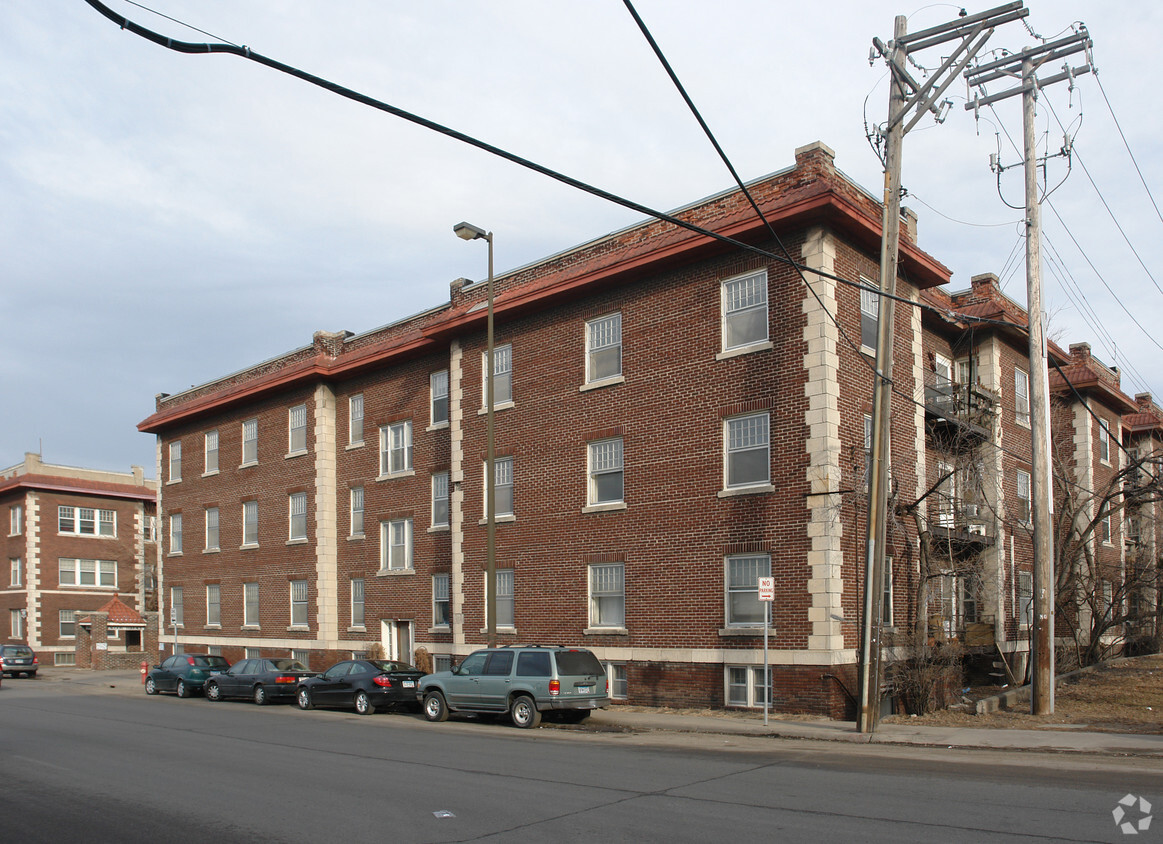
(409, 684)
(584, 690)
(213, 672)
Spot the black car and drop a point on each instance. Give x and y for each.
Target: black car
(365, 684)
(184, 674)
(18, 659)
(261, 680)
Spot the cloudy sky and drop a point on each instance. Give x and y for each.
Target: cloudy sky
(168, 219)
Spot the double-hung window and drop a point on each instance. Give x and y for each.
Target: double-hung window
(298, 521)
(355, 420)
(16, 520)
(396, 448)
(67, 623)
(175, 461)
(87, 572)
(748, 450)
(607, 595)
(744, 609)
(297, 429)
(356, 511)
(1023, 490)
(211, 529)
(1025, 598)
(357, 617)
(438, 397)
(298, 603)
(177, 607)
(505, 616)
(606, 476)
(744, 310)
(1021, 397)
(176, 533)
(213, 605)
(16, 624)
(250, 605)
(867, 479)
(396, 545)
(440, 499)
(502, 486)
(603, 348)
(869, 315)
(1104, 441)
(249, 442)
(86, 521)
(250, 523)
(16, 572)
(746, 686)
(210, 450)
(440, 604)
(502, 376)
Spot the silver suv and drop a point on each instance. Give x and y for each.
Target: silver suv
(523, 681)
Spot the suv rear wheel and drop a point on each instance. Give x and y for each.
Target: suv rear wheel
(523, 712)
(435, 708)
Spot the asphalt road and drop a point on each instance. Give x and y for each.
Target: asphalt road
(85, 764)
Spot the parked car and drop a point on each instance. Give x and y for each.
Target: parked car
(18, 659)
(522, 681)
(184, 674)
(261, 680)
(365, 684)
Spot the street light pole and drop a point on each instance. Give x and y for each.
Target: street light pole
(466, 231)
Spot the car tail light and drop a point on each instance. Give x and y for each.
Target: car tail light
(386, 682)
(285, 678)
(35, 661)
(554, 687)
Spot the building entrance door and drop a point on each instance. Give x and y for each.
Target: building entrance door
(396, 636)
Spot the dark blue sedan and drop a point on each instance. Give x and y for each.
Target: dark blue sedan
(261, 680)
(364, 685)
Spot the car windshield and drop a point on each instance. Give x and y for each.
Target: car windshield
(211, 662)
(20, 651)
(388, 665)
(577, 662)
(288, 665)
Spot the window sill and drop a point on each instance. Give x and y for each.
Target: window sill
(394, 572)
(247, 627)
(438, 426)
(247, 546)
(441, 628)
(755, 489)
(611, 507)
(211, 550)
(406, 473)
(297, 541)
(605, 631)
(762, 346)
(1022, 423)
(355, 537)
(247, 465)
(353, 446)
(173, 481)
(174, 554)
(210, 474)
(504, 631)
(508, 517)
(212, 627)
(868, 350)
(604, 382)
(358, 628)
(439, 529)
(292, 454)
(746, 632)
(497, 406)
(298, 628)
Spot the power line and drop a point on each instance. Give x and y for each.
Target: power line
(1127, 146)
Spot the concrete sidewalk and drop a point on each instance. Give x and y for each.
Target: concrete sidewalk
(639, 720)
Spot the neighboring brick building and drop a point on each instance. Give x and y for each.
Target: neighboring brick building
(674, 417)
(75, 539)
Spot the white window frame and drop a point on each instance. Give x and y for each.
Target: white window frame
(604, 598)
(212, 529)
(886, 595)
(213, 605)
(1021, 396)
(739, 585)
(103, 572)
(396, 449)
(396, 545)
(356, 495)
(175, 533)
(605, 459)
(175, 466)
(298, 590)
(67, 624)
(100, 522)
(869, 315)
(358, 602)
(210, 452)
(250, 604)
(16, 622)
(1104, 441)
(867, 478)
(502, 377)
(250, 523)
(249, 442)
(748, 679)
(740, 298)
(297, 517)
(297, 430)
(355, 420)
(502, 487)
(15, 572)
(603, 343)
(506, 606)
(1023, 485)
(16, 520)
(438, 398)
(440, 598)
(616, 680)
(441, 514)
(736, 440)
(177, 606)
(1025, 599)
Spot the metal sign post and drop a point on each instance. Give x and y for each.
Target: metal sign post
(767, 596)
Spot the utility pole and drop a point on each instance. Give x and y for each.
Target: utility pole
(1025, 65)
(906, 95)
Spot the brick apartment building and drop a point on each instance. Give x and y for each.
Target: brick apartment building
(75, 540)
(674, 418)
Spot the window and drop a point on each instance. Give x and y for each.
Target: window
(87, 572)
(67, 621)
(748, 454)
(297, 429)
(298, 603)
(298, 507)
(250, 523)
(177, 607)
(502, 486)
(1025, 598)
(744, 609)
(869, 316)
(867, 479)
(249, 606)
(86, 521)
(1021, 397)
(606, 478)
(211, 452)
(213, 605)
(396, 448)
(440, 606)
(1108, 599)
(1104, 441)
(396, 545)
(603, 348)
(176, 533)
(355, 420)
(505, 617)
(744, 310)
(746, 686)
(886, 594)
(249, 442)
(214, 650)
(357, 602)
(943, 369)
(502, 376)
(64, 658)
(16, 520)
(616, 680)
(16, 621)
(440, 499)
(16, 572)
(1023, 508)
(301, 655)
(607, 595)
(175, 461)
(149, 528)
(357, 511)
(438, 393)
(1104, 527)
(211, 528)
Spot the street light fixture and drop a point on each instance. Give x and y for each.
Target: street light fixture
(467, 231)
